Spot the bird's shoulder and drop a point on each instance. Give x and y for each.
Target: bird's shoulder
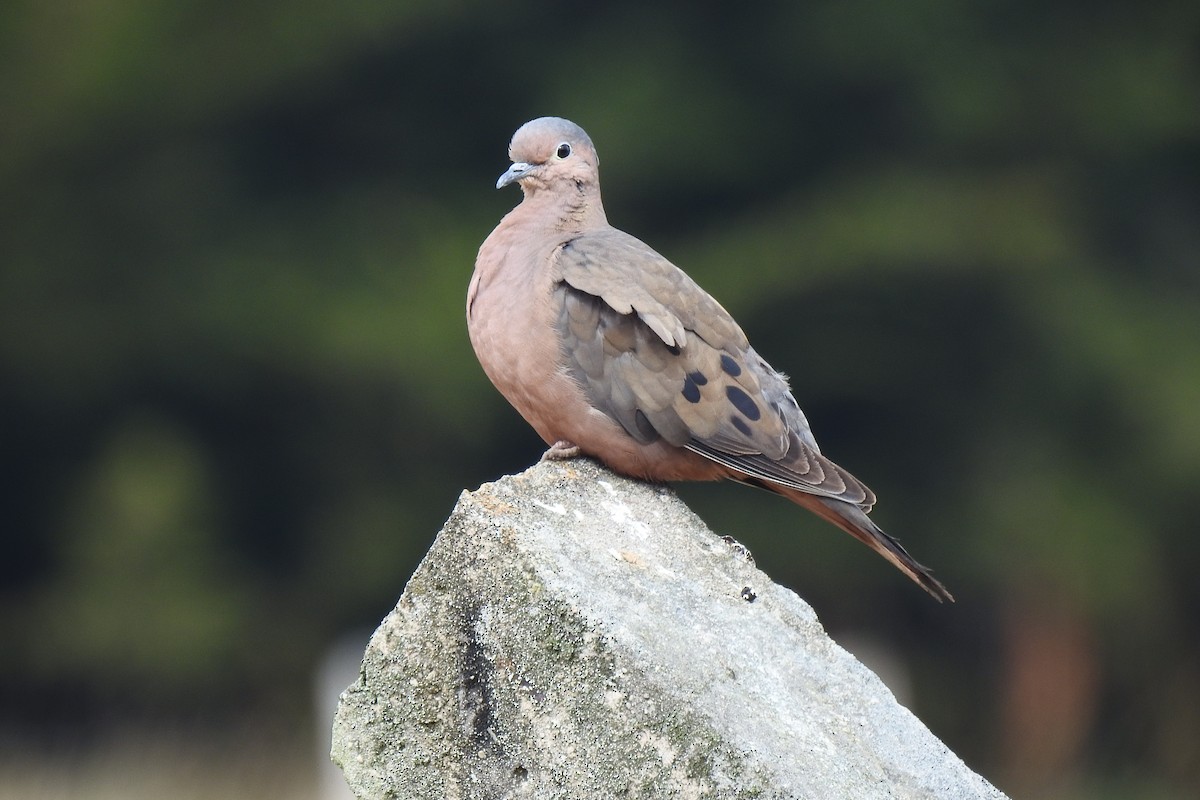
(633, 278)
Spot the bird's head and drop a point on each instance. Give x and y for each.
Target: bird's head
(549, 151)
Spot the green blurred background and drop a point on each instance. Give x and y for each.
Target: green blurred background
(239, 399)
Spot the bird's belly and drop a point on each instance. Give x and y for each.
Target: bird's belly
(514, 339)
(556, 407)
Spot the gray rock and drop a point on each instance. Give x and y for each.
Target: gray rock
(573, 634)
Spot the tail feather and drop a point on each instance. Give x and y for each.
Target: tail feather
(855, 522)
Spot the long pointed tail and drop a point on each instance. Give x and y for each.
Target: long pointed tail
(855, 522)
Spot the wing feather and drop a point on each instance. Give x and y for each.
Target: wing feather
(661, 357)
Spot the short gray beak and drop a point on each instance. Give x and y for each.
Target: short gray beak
(518, 170)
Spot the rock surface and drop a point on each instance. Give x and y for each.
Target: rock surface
(573, 634)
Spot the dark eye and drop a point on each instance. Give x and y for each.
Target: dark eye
(563, 151)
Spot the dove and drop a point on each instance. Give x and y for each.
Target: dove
(609, 350)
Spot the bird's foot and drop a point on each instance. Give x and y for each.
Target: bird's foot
(562, 450)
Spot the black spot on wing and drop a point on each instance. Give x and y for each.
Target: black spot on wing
(740, 424)
(730, 366)
(691, 392)
(742, 402)
(697, 378)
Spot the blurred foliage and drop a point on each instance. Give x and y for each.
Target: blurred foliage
(236, 239)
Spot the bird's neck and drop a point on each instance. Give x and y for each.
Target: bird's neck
(577, 208)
